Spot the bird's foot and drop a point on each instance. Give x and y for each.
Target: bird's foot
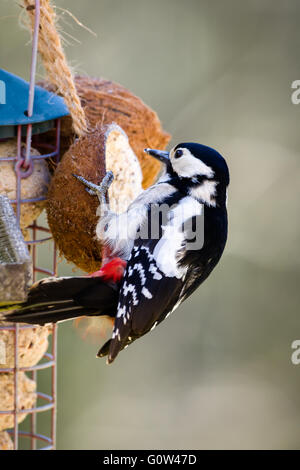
(95, 189)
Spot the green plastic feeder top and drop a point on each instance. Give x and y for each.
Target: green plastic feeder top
(14, 92)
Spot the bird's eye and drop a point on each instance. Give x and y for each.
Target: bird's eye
(178, 153)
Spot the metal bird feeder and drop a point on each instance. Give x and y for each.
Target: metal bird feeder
(26, 112)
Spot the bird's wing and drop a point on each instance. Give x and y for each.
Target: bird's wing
(146, 297)
(152, 283)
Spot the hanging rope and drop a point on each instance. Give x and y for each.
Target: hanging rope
(55, 62)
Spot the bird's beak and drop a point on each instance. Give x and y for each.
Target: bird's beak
(159, 155)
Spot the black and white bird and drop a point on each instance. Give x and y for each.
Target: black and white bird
(156, 253)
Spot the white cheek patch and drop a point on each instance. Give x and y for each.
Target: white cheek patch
(205, 192)
(188, 166)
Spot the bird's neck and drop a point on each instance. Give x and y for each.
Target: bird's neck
(205, 190)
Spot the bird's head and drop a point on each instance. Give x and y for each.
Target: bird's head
(200, 169)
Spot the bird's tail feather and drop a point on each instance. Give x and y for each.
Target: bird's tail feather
(53, 300)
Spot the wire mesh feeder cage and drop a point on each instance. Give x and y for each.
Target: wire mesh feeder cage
(25, 171)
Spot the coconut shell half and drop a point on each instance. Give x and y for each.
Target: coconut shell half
(72, 211)
(106, 102)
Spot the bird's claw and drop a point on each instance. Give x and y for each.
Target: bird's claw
(95, 189)
(107, 180)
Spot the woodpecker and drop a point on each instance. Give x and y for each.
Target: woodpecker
(155, 254)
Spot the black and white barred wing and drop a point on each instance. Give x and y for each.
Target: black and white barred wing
(146, 297)
(152, 284)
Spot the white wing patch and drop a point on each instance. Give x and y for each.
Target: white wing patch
(156, 275)
(172, 240)
(146, 293)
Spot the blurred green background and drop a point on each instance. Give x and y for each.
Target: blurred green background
(218, 373)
